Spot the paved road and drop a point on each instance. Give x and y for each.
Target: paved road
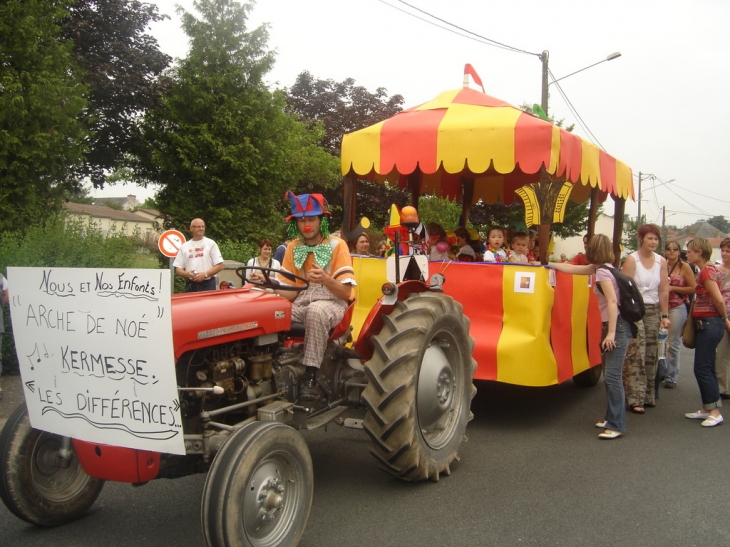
(532, 473)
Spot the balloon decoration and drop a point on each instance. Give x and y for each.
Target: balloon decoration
(443, 247)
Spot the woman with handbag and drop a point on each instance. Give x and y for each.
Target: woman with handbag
(711, 323)
(616, 332)
(722, 359)
(681, 286)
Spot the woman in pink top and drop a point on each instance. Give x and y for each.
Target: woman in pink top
(681, 285)
(616, 332)
(711, 324)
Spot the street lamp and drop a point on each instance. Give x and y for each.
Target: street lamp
(544, 58)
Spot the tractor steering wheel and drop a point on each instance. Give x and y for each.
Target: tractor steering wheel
(271, 283)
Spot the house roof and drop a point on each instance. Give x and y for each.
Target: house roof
(100, 211)
(701, 229)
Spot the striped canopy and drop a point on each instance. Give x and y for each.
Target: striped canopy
(467, 133)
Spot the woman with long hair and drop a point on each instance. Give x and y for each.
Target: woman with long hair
(681, 286)
(436, 235)
(649, 270)
(711, 324)
(615, 334)
(722, 360)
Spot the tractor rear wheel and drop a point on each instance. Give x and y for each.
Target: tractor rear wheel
(420, 387)
(259, 489)
(34, 486)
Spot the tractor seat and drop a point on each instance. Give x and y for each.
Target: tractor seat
(297, 329)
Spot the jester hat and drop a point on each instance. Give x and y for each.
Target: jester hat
(307, 205)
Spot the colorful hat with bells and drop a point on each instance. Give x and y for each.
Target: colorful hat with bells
(307, 205)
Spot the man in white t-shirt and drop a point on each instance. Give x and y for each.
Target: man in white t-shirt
(198, 260)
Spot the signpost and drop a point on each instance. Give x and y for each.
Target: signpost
(169, 244)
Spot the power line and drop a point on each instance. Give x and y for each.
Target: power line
(583, 124)
(492, 42)
(480, 40)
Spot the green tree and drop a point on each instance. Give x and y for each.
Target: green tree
(221, 146)
(341, 108)
(121, 66)
(720, 222)
(442, 211)
(630, 240)
(41, 101)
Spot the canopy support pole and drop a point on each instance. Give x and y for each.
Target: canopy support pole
(618, 223)
(349, 212)
(467, 196)
(593, 212)
(414, 185)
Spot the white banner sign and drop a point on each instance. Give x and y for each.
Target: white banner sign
(96, 354)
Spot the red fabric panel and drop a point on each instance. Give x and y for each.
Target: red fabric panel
(533, 141)
(410, 139)
(608, 172)
(571, 156)
(451, 186)
(472, 96)
(594, 330)
(561, 327)
(478, 287)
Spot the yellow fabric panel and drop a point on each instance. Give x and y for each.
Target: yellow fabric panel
(554, 151)
(481, 134)
(579, 321)
(524, 353)
(590, 167)
(442, 100)
(370, 276)
(361, 150)
(624, 180)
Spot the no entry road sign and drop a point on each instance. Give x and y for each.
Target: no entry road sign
(170, 243)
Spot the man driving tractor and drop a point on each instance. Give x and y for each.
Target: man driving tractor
(324, 261)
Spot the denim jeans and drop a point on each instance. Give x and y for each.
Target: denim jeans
(613, 362)
(677, 315)
(207, 285)
(706, 341)
(722, 364)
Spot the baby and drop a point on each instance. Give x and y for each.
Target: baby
(495, 240)
(519, 245)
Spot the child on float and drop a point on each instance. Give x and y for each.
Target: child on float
(466, 251)
(438, 242)
(518, 244)
(495, 241)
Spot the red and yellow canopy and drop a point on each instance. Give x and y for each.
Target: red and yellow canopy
(467, 133)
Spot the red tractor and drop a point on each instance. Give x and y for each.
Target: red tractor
(238, 370)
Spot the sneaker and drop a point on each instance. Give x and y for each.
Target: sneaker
(609, 434)
(602, 424)
(670, 385)
(699, 415)
(308, 387)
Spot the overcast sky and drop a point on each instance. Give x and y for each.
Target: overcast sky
(660, 107)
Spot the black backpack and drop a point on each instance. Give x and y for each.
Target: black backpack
(630, 302)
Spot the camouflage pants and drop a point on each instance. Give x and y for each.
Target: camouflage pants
(639, 373)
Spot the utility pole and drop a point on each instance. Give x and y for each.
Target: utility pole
(664, 225)
(544, 101)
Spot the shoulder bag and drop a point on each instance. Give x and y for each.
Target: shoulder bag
(688, 330)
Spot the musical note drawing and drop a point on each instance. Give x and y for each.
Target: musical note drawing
(30, 357)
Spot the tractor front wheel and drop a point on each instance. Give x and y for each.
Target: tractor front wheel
(259, 489)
